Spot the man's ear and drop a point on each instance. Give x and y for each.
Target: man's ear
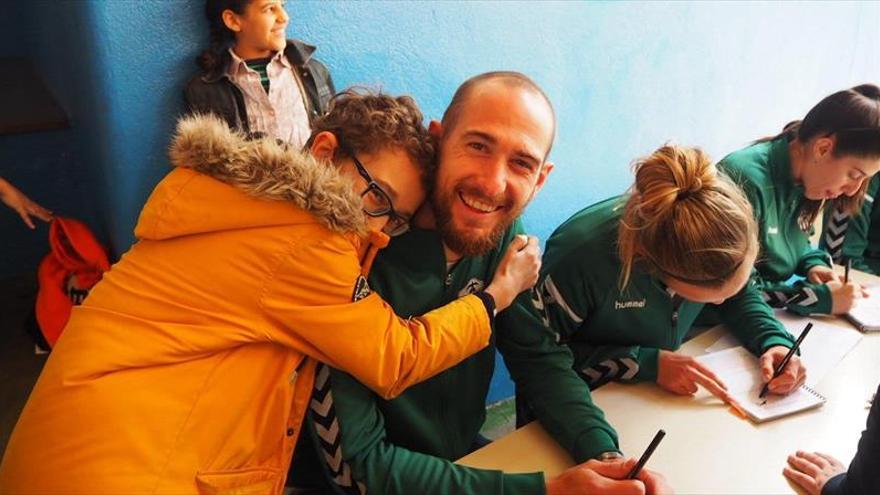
(546, 168)
(435, 129)
(324, 146)
(230, 19)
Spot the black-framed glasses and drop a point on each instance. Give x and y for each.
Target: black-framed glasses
(377, 202)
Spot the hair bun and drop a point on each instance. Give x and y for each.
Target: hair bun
(685, 193)
(669, 175)
(685, 220)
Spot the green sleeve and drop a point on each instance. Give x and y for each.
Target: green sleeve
(801, 298)
(600, 364)
(565, 302)
(752, 321)
(542, 370)
(384, 468)
(810, 258)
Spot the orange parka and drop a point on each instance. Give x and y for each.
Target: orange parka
(188, 369)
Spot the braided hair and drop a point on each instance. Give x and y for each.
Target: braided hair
(216, 56)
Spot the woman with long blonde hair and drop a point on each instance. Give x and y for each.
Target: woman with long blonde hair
(623, 280)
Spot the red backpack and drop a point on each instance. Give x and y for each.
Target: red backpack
(76, 262)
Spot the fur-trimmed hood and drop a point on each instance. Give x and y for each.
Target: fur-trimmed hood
(262, 169)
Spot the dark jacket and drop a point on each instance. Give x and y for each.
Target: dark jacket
(213, 91)
(405, 446)
(862, 476)
(855, 237)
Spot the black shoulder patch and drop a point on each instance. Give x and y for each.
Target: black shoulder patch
(473, 286)
(361, 289)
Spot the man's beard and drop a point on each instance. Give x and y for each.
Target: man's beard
(462, 241)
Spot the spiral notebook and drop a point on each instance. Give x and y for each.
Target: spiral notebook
(865, 315)
(740, 371)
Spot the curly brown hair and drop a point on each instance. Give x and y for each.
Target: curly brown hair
(365, 121)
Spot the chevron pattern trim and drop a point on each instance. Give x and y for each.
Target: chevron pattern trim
(805, 296)
(610, 370)
(538, 303)
(775, 299)
(551, 295)
(327, 429)
(835, 233)
(324, 419)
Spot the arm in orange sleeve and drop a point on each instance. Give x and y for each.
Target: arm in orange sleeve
(310, 300)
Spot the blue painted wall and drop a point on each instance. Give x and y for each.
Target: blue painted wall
(58, 168)
(625, 77)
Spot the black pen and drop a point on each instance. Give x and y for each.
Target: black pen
(785, 360)
(647, 455)
(846, 271)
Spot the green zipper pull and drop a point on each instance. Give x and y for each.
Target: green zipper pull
(676, 303)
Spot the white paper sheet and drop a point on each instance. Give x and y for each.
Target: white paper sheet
(824, 347)
(866, 313)
(739, 370)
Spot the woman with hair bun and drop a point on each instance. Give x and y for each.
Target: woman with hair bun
(623, 280)
(829, 156)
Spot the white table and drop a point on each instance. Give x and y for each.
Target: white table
(707, 449)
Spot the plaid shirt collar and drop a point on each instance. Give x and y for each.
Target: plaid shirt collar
(238, 66)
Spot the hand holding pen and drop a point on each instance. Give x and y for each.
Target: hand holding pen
(860, 289)
(845, 291)
(596, 476)
(781, 368)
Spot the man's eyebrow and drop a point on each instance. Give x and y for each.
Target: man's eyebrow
(528, 156)
(522, 153)
(480, 134)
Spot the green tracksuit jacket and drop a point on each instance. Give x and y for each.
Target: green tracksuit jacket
(855, 237)
(617, 334)
(763, 171)
(406, 446)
